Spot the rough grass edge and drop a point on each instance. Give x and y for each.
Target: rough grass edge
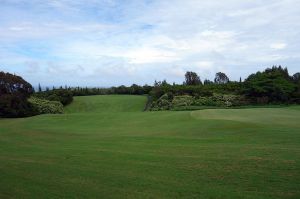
(148, 103)
(195, 108)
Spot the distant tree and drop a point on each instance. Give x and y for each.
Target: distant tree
(207, 82)
(40, 88)
(192, 78)
(240, 79)
(14, 92)
(60, 95)
(279, 70)
(147, 89)
(164, 83)
(221, 78)
(274, 84)
(296, 77)
(296, 94)
(135, 89)
(161, 83)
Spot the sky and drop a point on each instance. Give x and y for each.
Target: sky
(105, 43)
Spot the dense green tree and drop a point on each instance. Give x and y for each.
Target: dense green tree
(221, 78)
(161, 83)
(207, 82)
(296, 77)
(136, 89)
(274, 85)
(192, 78)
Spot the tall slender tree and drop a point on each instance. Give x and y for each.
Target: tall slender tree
(40, 88)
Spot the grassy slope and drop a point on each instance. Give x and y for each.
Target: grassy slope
(105, 146)
(107, 103)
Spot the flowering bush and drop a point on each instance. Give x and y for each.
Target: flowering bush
(184, 100)
(169, 102)
(42, 106)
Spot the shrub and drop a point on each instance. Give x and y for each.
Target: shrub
(62, 95)
(229, 100)
(221, 100)
(42, 106)
(204, 101)
(184, 100)
(163, 103)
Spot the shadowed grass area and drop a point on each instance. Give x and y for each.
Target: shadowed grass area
(106, 147)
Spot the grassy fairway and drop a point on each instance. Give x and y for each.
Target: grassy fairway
(106, 147)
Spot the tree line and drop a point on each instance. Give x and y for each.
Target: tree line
(273, 85)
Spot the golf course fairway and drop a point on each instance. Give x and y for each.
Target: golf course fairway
(108, 147)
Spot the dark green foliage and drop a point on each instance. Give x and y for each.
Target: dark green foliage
(191, 78)
(14, 91)
(272, 85)
(296, 94)
(207, 81)
(122, 90)
(40, 88)
(157, 92)
(228, 88)
(221, 78)
(296, 78)
(42, 106)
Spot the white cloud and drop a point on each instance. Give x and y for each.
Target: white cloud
(205, 64)
(175, 71)
(32, 67)
(150, 55)
(148, 39)
(278, 46)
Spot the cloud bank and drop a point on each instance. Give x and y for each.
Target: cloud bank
(113, 42)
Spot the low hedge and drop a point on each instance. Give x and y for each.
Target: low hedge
(170, 102)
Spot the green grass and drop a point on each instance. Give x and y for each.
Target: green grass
(195, 108)
(106, 147)
(107, 103)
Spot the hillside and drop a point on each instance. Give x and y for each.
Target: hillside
(107, 103)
